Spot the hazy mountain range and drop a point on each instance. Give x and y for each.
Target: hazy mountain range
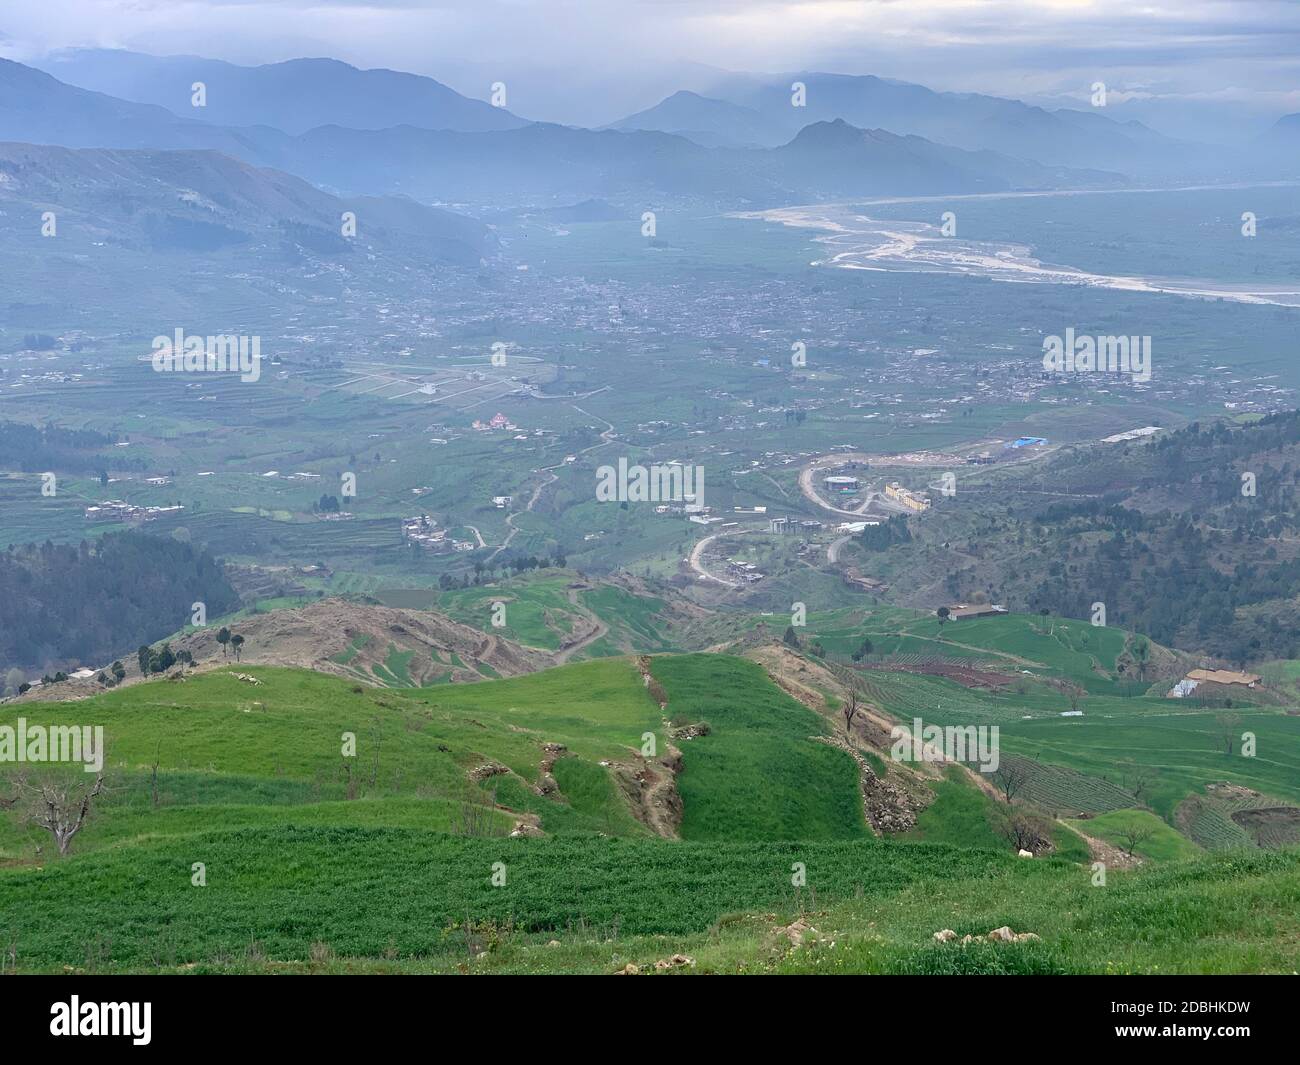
(531, 163)
(382, 132)
(725, 110)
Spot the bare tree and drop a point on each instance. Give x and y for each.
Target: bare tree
(1134, 834)
(374, 769)
(850, 710)
(153, 776)
(1025, 832)
(1229, 725)
(59, 804)
(1136, 778)
(1075, 695)
(1010, 779)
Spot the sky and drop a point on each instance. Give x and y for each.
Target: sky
(590, 61)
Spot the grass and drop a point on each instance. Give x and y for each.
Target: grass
(1158, 842)
(759, 774)
(301, 878)
(405, 900)
(958, 815)
(1061, 648)
(231, 753)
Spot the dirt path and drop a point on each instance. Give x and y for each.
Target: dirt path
(834, 548)
(971, 647)
(1108, 854)
(598, 630)
(811, 494)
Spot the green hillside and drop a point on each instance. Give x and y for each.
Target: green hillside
(386, 860)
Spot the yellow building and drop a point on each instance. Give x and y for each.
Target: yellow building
(911, 500)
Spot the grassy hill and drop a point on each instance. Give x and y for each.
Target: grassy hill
(386, 861)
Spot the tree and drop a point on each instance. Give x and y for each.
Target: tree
(13, 680)
(119, 671)
(1229, 725)
(791, 638)
(223, 638)
(1136, 778)
(163, 659)
(1141, 650)
(237, 642)
(1010, 778)
(143, 655)
(1075, 694)
(1025, 831)
(850, 711)
(944, 613)
(59, 804)
(1133, 833)
(863, 650)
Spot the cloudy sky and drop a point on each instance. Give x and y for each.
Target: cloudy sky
(592, 60)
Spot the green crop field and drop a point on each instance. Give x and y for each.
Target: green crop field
(398, 899)
(396, 860)
(759, 774)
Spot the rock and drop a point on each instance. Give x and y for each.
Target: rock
(1026, 854)
(630, 969)
(1006, 934)
(488, 769)
(676, 961)
(795, 931)
(946, 936)
(553, 943)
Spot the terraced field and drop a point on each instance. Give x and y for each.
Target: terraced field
(401, 859)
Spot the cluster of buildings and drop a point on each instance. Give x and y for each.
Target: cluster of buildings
(497, 421)
(743, 571)
(423, 531)
(116, 510)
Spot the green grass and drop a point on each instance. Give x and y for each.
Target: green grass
(232, 753)
(1074, 650)
(1161, 843)
(958, 815)
(397, 899)
(758, 774)
(537, 609)
(353, 649)
(251, 784)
